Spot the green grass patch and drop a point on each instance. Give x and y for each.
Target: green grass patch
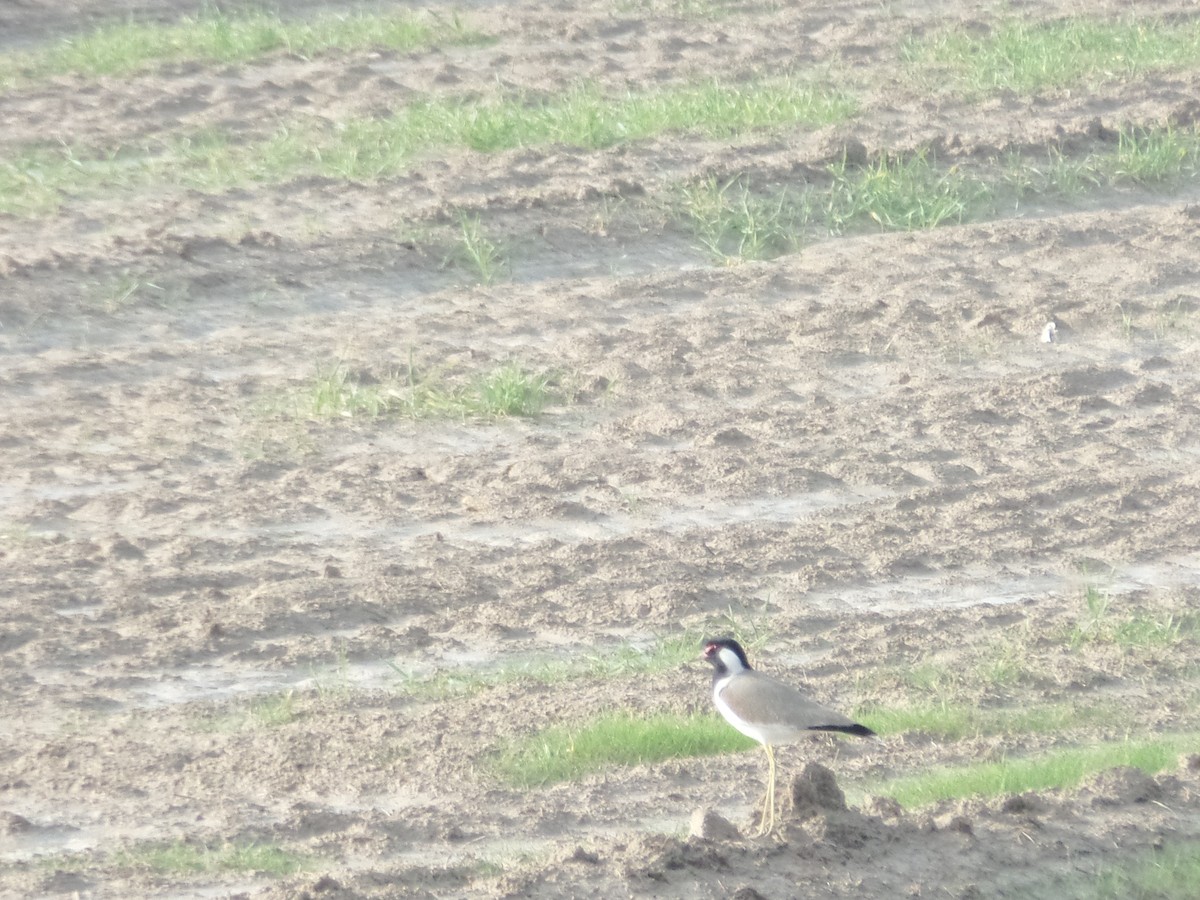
(338, 392)
(583, 117)
(1172, 873)
(218, 37)
(617, 739)
(1147, 157)
(1027, 57)
(911, 192)
(367, 149)
(1057, 769)
(183, 857)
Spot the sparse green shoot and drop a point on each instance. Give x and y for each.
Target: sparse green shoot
(126, 290)
(1058, 176)
(478, 252)
(333, 682)
(1003, 666)
(265, 711)
(1171, 316)
(932, 678)
(753, 631)
(1092, 625)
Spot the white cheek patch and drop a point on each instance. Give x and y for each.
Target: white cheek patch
(730, 660)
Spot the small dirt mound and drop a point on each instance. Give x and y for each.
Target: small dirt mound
(816, 791)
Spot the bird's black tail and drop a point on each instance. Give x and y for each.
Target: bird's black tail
(855, 729)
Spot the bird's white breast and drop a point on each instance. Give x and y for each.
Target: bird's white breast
(751, 730)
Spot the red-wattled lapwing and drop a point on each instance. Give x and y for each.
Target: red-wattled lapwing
(767, 710)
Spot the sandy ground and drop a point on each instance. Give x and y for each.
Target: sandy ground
(863, 449)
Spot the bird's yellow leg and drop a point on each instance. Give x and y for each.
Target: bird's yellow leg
(766, 823)
(771, 778)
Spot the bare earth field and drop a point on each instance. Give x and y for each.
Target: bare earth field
(224, 624)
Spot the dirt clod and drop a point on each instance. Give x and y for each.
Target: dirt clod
(709, 825)
(1121, 786)
(814, 791)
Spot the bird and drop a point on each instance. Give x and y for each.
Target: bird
(768, 711)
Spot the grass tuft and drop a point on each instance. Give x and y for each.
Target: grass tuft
(274, 711)
(478, 252)
(733, 223)
(616, 739)
(507, 391)
(1155, 156)
(900, 194)
(1058, 175)
(338, 393)
(1132, 630)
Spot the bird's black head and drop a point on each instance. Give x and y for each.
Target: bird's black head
(726, 655)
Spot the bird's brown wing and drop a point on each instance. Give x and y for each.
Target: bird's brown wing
(781, 709)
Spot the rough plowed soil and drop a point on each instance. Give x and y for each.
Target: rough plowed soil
(863, 449)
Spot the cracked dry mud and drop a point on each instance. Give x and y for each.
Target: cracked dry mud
(863, 448)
